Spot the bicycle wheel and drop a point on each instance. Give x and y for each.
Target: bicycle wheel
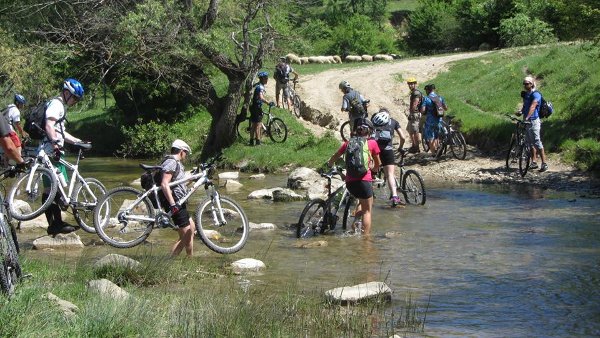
(243, 130)
(441, 149)
(10, 269)
(512, 158)
(84, 201)
(35, 203)
(524, 159)
(458, 145)
(121, 221)
(424, 143)
(277, 130)
(311, 219)
(349, 213)
(297, 105)
(381, 189)
(413, 188)
(345, 130)
(224, 238)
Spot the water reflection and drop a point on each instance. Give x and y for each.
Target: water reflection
(497, 261)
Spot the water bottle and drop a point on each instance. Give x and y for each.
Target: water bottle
(61, 178)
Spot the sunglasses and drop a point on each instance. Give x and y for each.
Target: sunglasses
(526, 83)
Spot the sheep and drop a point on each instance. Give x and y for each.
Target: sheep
(353, 58)
(382, 57)
(312, 59)
(304, 60)
(337, 59)
(292, 58)
(367, 58)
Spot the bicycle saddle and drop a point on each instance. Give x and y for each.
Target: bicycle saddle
(83, 146)
(149, 167)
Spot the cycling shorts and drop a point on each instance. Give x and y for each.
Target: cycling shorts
(182, 218)
(15, 138)
(256, 114)
(360, 189)
(387, 157)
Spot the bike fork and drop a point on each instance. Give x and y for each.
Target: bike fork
(218, 216)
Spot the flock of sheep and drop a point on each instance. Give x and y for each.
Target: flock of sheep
(293, 58)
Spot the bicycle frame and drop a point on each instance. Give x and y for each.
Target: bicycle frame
(331, 208)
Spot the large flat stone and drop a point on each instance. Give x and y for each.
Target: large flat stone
(360, 292)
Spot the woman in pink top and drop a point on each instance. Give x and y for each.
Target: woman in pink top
(361, 187)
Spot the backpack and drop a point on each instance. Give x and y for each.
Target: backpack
(149, 178)
(281, 73)
(356, 107)
(438, 106)
(34, 118)
(546, 108)
(357, 156)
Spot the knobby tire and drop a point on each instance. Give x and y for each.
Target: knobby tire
(84, 214)
(34, 198)
(311, 219)
(413, 188)
(222, 238)
(277, 130)
(346, 130)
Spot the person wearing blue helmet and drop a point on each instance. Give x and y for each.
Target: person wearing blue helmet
(56, 136)
(256, 113)
(12, 114)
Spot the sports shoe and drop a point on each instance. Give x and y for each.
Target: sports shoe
(251, 143)
(63, 228)
(544, 167)
(414, 150)
(257, 142)
(396, 201)
(533, 165)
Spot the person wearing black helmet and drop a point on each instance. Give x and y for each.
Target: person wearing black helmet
(256, 113)
(282, 79)
(352, 102)
(361, 186)
(56, 136)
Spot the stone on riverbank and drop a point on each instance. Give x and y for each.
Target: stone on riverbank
(360, 292)
(232, 185)
(68, 309)
(275, 194)
(247, 265)
(230, 175)
(302, 178)
(61, 241)
(116, 260)
(257, 177)
(107, 289)
(262, 226)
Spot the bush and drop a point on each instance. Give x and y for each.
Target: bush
(359, 36)
(433, 27)
(150, 139)
(521, 30)
(584, 153)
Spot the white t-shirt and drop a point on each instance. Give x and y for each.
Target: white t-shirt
(13, 116)
(57, 110)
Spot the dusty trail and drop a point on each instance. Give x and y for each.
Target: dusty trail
(379, 83)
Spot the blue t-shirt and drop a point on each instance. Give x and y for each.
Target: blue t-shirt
(256, 101)
(430, 108)
(527, 101)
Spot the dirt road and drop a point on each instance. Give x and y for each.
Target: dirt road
(379, 83)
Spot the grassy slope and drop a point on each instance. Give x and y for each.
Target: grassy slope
(480, 91)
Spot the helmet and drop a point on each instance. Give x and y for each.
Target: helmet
(263, 74)
(181, 145)
(381, 118)
(430, 87)
(20, 99)
(344, 84)
(362, 123)
(74, 87)
(411, 80)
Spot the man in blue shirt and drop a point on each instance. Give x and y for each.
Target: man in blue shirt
(530, 111)
(433, 122)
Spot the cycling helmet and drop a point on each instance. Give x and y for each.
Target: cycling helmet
(344, 84)
(363, 124)
(382, 118)
(181, 145)
(19, 99)
(411, 80)
(74, 87)
(263, 74)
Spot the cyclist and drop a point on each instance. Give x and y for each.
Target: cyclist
(414, 115)
(530, 112)
(361, 187)
(56, 136)
(8, 142)
(282, 79)
(433, 123)
(353, 103)
(12, 114)
(173, 170)
(256, 113)
(384, 135)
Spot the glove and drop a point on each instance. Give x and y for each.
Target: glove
(175, 208)
(21, 167)
(271, 104)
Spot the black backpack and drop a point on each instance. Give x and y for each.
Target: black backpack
(35, 119)
(546, 108)
(149, 178)
(281, 73)
(356, 107)
(438, 106)
(357, 156)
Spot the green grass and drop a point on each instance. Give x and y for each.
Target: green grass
(183, 302)
(480, 91)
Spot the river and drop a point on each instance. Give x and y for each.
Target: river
(493, 260)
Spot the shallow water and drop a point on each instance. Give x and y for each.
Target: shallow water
(495, 260)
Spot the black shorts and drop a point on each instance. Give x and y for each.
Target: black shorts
(256, 114)
(387, 157)
(360, 189)
(182, 218)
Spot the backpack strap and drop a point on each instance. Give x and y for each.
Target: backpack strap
(177, 168)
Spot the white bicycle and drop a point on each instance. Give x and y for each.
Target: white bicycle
(26, 201)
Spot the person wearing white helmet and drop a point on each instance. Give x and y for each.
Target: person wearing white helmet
(385, 126)
(12, 114)
(531, 107)
(173, 170)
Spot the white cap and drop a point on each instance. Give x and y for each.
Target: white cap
(179, 144)
(530, 80)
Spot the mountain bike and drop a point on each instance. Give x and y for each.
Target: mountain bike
(346, 127)
(275, 128)
(10, 267)
(519, 150)
(125, 216)
(81, 195)
(408, 182)
(451, 137)
(296, 101)
(319, 216)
